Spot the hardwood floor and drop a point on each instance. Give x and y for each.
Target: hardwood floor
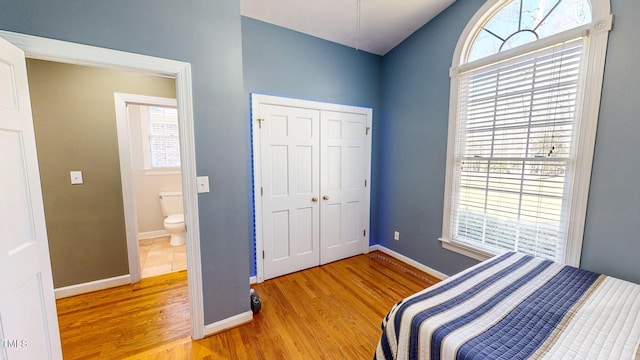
(329, 312)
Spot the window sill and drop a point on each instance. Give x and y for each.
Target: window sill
(154, 172)
(466, 250)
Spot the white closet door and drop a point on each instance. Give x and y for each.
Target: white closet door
(345, 158)
(289, 138)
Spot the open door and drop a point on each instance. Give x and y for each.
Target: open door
(28, 319)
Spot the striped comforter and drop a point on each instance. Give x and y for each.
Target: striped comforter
(515, 306)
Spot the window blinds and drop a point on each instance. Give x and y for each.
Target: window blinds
(164, 143)
(513, 157)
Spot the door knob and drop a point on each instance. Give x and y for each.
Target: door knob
(326, 197)
(314, 199)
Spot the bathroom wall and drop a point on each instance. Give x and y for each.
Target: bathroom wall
(75, 127)
(147, 186)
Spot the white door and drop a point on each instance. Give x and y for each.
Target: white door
(289, 150)
(345, 158)
(28, 319)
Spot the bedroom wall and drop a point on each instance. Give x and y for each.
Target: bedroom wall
(207, 35)
(282, 62)
(75, 127)
(414, 120)
(612, 231)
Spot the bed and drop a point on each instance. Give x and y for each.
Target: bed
(516, 306)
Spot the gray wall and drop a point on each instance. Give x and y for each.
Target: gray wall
(414, 138)
(612, 232)
(207, 35)
(282, 62)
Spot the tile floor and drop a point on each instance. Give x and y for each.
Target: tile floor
(157, 257)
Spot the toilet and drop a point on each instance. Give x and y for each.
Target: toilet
(171, 205)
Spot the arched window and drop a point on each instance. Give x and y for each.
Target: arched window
(526, 79)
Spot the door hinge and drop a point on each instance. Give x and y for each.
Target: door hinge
(366, 131)
(261, 191)
(263, 254)
(365, 182)
(260, 123)
(364, 232)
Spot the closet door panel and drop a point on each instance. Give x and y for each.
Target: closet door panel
(290, 182)
(342, 172)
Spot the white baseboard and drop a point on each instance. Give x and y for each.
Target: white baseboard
(152, 234)
(91, 286)
(228, 323)
(253, 280)
(409, 261)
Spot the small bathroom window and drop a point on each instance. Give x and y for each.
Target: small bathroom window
(160, 139)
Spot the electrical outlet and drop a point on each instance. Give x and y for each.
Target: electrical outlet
(396, 235)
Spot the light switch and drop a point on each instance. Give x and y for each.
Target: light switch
(203, 184)
(76, 178)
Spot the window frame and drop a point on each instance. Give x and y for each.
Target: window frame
(595, 36)
(146, 144)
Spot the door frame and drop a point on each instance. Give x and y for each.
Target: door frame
(72, 53)
(260, 99)
(121, 100)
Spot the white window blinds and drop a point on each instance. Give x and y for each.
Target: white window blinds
(513, 157)
(164, 142)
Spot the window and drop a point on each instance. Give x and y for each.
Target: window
(162, 141)
(526, 80)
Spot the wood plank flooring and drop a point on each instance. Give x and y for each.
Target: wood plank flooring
(329, 312)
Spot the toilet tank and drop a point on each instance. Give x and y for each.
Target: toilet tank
(171, 203)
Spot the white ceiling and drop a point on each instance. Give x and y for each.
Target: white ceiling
(383, 23)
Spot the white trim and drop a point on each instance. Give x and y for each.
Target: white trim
(160, 172)
(259, 99)
(67, 52)
(121, 100)
(467, 251)
(228, 323)
(593, 74)
(585, 148)
(253, 280)
(83, 288)
(152, 234)
(431, 271)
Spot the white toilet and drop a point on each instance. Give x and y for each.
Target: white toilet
(171, 205)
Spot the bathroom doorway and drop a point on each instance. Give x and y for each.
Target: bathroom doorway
(153, 143)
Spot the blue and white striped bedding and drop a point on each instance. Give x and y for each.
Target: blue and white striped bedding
(515, 306)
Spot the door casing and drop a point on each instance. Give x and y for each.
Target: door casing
(67, 52)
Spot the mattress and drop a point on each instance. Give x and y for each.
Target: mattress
(515, 306)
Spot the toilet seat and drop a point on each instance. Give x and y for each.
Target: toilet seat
(174, 219)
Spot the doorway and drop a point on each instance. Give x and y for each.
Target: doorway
(149, 147)
(65, 52)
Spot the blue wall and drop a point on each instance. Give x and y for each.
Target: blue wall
(612, 232)
(206, 34)
(414, 122)
(414, 138)
(281, 62)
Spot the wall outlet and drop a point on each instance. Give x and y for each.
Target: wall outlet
(396, 235)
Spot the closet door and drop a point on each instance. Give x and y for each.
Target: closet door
(345, 159)
(289, 138)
